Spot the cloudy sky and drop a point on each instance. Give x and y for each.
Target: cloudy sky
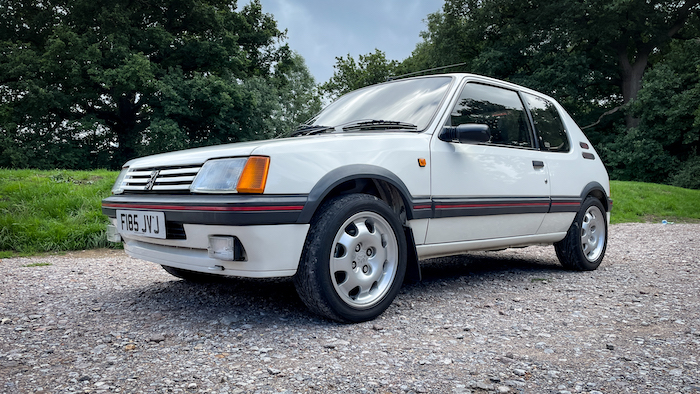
(321, 30)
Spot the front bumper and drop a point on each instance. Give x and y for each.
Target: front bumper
(268, 228)
(270, 250)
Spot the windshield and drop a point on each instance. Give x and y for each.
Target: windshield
(411, 101)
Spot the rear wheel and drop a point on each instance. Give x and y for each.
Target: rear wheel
(584, 246)
(354, 259)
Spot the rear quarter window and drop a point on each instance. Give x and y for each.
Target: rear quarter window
(548, 124)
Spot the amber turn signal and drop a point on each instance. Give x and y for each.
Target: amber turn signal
(254, 175)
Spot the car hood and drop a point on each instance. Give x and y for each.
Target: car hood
(198, 156)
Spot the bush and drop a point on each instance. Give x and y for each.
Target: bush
(689, 174)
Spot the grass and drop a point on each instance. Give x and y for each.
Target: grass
(55, 211)
(52, 211)
(36, 265)
(649, 202)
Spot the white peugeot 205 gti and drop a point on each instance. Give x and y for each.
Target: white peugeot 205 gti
(381, 178)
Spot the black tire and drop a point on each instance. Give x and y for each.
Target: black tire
(190, 276)
(354, 259)
(584, 246)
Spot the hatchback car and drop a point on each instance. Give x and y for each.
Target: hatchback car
(383, 177)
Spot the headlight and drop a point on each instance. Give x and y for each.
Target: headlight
(242, 175)
(118, 188)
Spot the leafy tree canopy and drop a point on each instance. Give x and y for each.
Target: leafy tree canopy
(591, 55)
(93, 83)
(350, 75)
(293, 99)
(664, 147)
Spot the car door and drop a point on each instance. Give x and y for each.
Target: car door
(488, 190)
(568, 174)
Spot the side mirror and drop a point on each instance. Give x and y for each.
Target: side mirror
(466, 133)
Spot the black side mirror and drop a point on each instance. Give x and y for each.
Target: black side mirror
(466, 133)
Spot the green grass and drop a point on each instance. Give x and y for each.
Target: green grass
(649, 202)
(36, 265)
(55, 211)
(51, 211)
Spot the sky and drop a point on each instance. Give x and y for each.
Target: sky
(321, 30)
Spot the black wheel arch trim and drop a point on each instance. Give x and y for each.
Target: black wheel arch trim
(594, 187)
(347, 173)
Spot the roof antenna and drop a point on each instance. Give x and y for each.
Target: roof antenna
(424, 71)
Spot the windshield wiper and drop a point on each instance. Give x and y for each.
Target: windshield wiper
(378, 125)
(311, 129)
(371, 124)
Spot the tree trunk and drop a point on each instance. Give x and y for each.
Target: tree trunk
(632, 74)
(125, 128)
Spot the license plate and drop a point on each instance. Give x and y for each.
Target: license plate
(143, 223)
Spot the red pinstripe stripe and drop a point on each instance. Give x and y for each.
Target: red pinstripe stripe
(207, 208)
(530, 204)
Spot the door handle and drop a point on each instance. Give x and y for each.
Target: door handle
(537, 164)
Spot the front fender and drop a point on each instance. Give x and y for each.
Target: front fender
(340, 175)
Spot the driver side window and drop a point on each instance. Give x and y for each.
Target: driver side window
(498, 108)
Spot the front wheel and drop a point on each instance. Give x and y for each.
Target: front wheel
(354, 259)
(584, 246)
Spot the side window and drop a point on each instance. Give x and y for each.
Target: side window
(498, 108)
(548, 124)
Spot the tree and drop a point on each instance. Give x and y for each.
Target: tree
(632, 31)
(592, 51)
(665, 144)
(291, 98)
(350, 75)
(87, 83)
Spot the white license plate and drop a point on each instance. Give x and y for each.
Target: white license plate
(143, 223)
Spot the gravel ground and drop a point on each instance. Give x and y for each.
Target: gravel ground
(508, 322)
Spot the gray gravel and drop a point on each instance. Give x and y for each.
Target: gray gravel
(494, 322)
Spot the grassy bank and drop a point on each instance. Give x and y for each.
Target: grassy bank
(649, 202)
(51, 211)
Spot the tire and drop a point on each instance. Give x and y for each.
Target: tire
(584, 246)
(354, 259)
(190, 276)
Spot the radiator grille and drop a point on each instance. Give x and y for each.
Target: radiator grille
(163, 179)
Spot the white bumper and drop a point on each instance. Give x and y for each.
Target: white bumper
(270, 250)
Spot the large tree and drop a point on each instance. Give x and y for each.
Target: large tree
(664, 147)
(593, 50)
(87, 83)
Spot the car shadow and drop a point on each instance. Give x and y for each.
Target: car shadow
(238, 301)
(222, 301)
(485, 264)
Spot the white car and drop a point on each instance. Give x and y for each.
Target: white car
(381, 178)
